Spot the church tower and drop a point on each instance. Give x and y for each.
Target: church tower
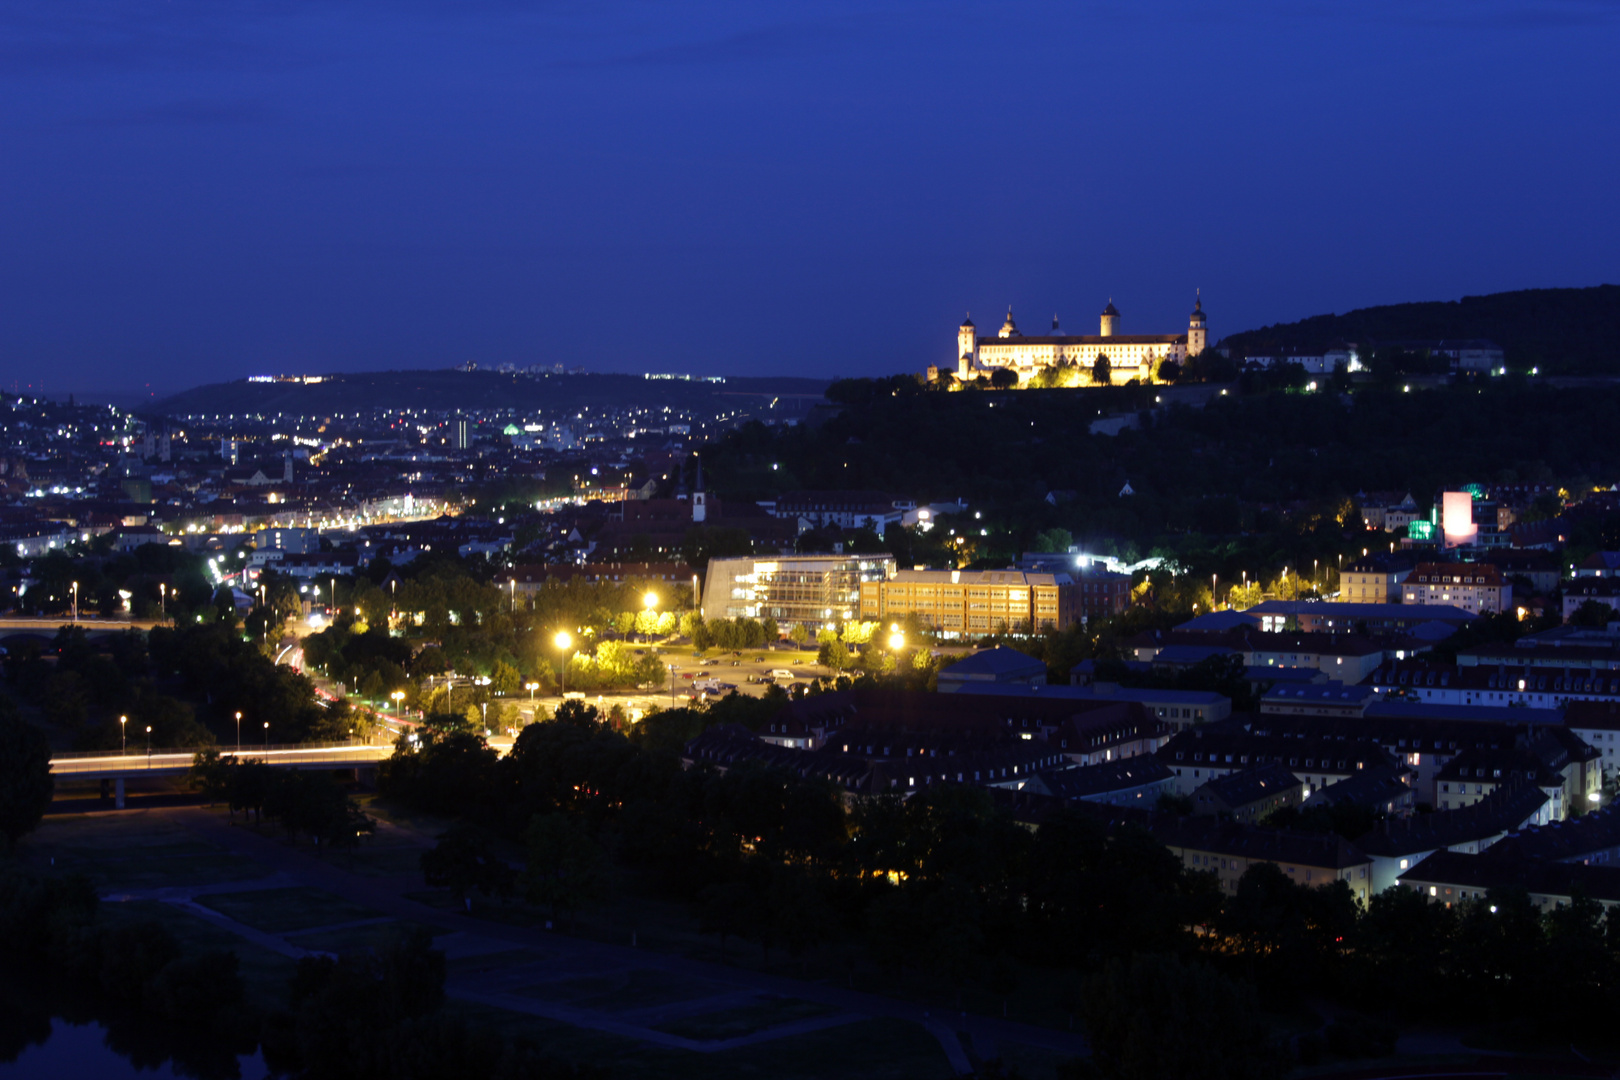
(700, 503)
(1197, 337)
(967, 347)
(1110, 321)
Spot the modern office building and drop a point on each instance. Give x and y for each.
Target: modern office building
(975, 602)
(813, 590)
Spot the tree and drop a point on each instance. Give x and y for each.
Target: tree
(565, 867)
(799, 634)
(463, 862)
(1003, 379)
(1152, 1016)
(25, 774)
(1591, 613)
(1102, 372)
(1169, 370)
(504, 678)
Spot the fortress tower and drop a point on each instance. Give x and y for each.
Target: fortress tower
(1197, 338)
(966, 345)
(1110, 321)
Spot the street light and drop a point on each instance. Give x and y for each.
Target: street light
(75, 601)
(531, 687)
(148, 746)
(650, 601)
(239, 734)
(897, 641)
(163, 600)
(267, 736)
(123, 735)
(398, 696)
(563, 640)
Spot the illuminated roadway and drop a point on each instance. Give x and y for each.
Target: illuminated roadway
(105, 766)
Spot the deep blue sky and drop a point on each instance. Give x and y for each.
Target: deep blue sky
(196, 190)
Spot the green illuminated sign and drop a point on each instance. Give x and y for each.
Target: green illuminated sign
(1421, 530)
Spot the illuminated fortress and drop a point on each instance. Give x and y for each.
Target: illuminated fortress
(1130, 356)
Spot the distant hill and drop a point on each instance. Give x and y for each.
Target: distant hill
(1564, 331)
(453, 389)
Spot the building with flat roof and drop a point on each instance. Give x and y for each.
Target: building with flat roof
(808, 590)
(973, 603)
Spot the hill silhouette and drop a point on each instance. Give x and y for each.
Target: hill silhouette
(1562, 331)
(449, 389)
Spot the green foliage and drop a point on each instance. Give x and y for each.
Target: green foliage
(1562, 331)
(1155, 1016)
(464, 863)
(565, 867)
(26, 785)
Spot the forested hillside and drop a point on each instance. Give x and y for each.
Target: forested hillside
(1562, 331)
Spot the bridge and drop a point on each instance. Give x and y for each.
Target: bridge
(118, 766)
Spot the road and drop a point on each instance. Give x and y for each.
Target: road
(99, 765)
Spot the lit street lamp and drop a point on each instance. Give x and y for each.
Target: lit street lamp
(75, 601)
(267, 736)
(531, 687)
(123, 734)
(148, 746)
(563, 640)
(238, 734)
(398, 696)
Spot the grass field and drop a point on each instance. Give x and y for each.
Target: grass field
(280, 911)
(625, 991)
(359, 938)
(265, 974)
(866, 1050)
(744, 1019)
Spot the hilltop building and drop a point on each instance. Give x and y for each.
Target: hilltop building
(1129, 356)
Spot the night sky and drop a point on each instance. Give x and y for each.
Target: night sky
(198, 190)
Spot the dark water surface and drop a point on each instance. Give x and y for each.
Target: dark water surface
(68, 1050)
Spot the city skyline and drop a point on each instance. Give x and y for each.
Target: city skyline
(201, 195)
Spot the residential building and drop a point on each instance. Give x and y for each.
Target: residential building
(1388, 511)
(1600, 564)
(1476, 587)
(1604, 590)
(812, 590)
(1249, 794)
(873, 510)
(1453, 877)
(1211, 751)
(1384, 791)
(1318, 699)
(1228, 848)
(1598, 725)
(1373, 581)
(1374, 619)
(993, 668)
(1135, 781)
(973, 603)
(1175, 709)
(1397, 845)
